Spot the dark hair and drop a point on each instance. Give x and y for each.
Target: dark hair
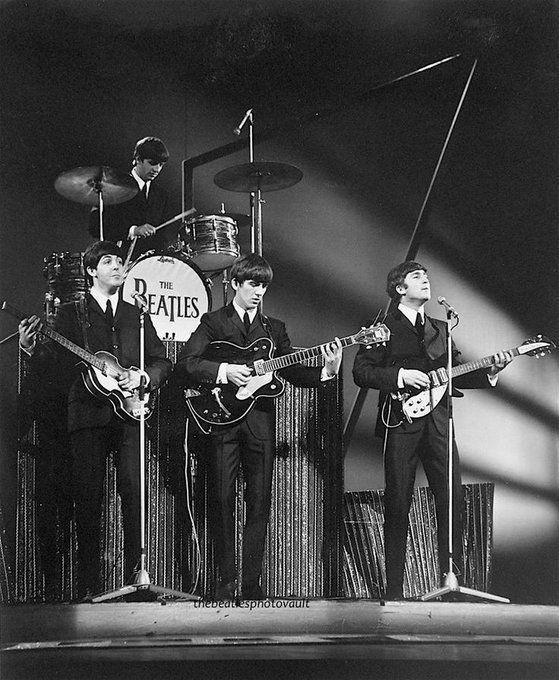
(151, 148)
(95, 251)
(397, 275)
(251, 267)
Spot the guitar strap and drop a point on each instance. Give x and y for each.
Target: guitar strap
(82, 314)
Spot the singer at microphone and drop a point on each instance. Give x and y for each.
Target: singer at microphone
(237, 130)
(449, 308)
(402, 369)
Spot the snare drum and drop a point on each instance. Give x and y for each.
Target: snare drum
(176, 291)
(212, 242)
(66, 276)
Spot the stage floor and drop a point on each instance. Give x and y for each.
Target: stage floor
(281, 638)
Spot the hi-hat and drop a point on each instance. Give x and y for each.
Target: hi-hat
(84, 184)
(265, 175)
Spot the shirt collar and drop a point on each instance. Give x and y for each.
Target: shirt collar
(139, 180)
(411, 314)
(102, 299)
(241, 312)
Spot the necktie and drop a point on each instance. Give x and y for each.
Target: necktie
(109, 314)
(420, 327)
(246, 321)
(145, 191)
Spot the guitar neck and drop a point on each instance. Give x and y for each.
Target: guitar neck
(486, 362)
(72, 347)
(290, 359)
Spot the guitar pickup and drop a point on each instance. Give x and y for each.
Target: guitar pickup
(258, 367)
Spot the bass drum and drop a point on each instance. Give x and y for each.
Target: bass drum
(176, 292)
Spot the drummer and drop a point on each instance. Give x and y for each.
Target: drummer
(139, 216)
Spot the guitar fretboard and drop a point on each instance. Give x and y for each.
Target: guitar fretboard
(479, 363)
(290, 359)
(76, 349)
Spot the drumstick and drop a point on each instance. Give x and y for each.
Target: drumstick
(176, 217)
(165, 224)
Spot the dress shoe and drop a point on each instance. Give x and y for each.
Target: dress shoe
(253, 592)
(225, 591)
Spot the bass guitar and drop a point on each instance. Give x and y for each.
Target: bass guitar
(227, 404)
(419, 404)
(101, 376)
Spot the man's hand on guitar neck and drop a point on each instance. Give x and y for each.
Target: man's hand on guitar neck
(332, 353)
(28, 329)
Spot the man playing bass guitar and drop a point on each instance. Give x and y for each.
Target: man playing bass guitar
(102, 324)
(250, 440)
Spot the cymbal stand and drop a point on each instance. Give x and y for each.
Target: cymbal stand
(97, 185)
(450, 585)
(255, 197)
(142, 582)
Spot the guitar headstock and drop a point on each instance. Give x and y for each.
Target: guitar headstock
(373, 335)
(537, 346)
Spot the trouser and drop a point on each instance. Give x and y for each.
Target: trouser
(89, 451)
(404, 449)
(229, 449)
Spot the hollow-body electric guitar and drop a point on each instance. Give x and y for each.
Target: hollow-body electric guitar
(101, 376)
(418, 404)
(227, 404)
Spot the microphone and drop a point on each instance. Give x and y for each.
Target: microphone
(449, 308)
(237, 130)
(141, 301)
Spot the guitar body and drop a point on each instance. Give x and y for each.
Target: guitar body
(422, 403)
(223, 405)
(100, 383)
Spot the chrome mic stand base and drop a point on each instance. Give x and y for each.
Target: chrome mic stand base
(451, 587)
(143, 586)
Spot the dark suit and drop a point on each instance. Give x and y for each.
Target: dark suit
(406, 443)
(95, 429)
(251, 442)
(117, 220)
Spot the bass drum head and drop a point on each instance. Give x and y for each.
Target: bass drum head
(176, 291)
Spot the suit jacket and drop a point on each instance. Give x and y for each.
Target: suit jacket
(85, 410)
(378, 367)
(117, 220)
(193, 370)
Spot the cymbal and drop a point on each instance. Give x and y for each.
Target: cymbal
(264, 175)
(83, 185)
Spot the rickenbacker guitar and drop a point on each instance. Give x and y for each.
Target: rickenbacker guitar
(101, 376)
(419, 404)
(227, 404)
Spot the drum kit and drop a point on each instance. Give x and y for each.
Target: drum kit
(177, 282)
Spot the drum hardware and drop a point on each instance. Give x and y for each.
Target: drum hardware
(97, 185)
(67, 280)
(254, 178)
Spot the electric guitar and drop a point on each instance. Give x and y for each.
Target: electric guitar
(418, 404)
(101, 376)
(227, 404)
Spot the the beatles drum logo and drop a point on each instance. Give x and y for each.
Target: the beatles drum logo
(175, 294)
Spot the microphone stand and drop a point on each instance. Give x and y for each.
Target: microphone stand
(450, 584)
(142, 582)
